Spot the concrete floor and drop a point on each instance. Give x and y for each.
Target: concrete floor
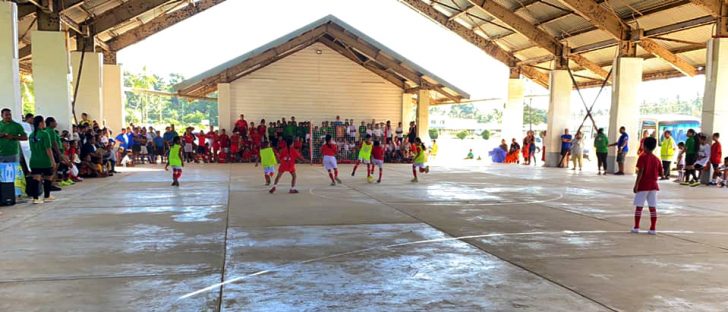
(527, 239)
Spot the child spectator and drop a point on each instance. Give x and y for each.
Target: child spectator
(680, 162)
(703, 160)
(649, 169)
(723, 173)
(716, 154)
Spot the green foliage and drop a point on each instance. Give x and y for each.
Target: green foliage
(690, 107)
(433, 134)
(485, 135)
(462, 134)
(144, 108)
(534, 116)
(27, 94)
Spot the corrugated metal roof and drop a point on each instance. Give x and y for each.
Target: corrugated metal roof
(296, 33)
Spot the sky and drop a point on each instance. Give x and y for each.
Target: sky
(235, 27)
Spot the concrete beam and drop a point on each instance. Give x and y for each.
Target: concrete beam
(160, 23)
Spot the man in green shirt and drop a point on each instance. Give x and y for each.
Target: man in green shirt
(601, 144)
(289, 130)
(11, 133)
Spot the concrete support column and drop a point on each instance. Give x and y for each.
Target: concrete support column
(113, 95)
(625, 111)
(9, 63)
(715, 101)
(559, 114)
(423, 114)
(408, 110)
(512, 122)
(90, 97)
(224, 99)
(51, 73)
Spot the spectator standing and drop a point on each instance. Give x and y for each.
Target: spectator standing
(577, 150)
(667, 153)
(566, 139)
(622, 149)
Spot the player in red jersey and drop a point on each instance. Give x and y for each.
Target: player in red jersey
(645, 187)
(378, 159)
(328, 150)
(287, 156)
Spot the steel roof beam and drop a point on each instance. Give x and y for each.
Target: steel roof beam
(712, 7)
(122, 13)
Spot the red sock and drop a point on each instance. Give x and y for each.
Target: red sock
(653, 218)
(380, 174)
(637, 216)
(336, 173)
(356, 165)
(414, 171)
(331, 175)
(369, 171)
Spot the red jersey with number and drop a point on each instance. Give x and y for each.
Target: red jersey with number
(378, 153)
(287, 157)
(329, 149)
(651, 167)
(224, 140)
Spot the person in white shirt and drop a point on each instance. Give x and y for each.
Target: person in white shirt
(703, 157)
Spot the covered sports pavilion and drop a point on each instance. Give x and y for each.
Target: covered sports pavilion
(467, 238)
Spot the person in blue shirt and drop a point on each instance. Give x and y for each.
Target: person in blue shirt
(159, 146)
(123, 139)
(565, 148)
(622, 149)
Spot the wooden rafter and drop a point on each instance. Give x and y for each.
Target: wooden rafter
(534, 34)
(348, 54)
(122, 13)
(614, 25)
(712, 7)
(160, 23)
(471, 36)
(234, 71)
(373, 53)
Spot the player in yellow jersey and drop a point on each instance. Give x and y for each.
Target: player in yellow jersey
(419, 160)
(175, 160)
(268, 160)
(365, 155)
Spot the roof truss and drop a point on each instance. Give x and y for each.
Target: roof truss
(338, 39)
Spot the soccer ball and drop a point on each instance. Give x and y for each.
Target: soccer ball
(370, 179)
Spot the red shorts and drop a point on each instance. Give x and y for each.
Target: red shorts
(234, 149)
(287, 168)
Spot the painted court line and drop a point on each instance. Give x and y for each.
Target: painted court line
(429, 241)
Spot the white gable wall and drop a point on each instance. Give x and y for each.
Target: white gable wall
(314, 87)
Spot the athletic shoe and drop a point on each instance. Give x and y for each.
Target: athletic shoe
(338, 180)
(427, 169)
(37, 201)
(379, 181)
(635, 230)
(712, 184)
(272, 190)
(414, 180)
(352, 173)
(695, 184)
(333, 184)
(55, 188)
(599, 173)
(684, 183)
(293, 191)
(267, 184)
(619, 173)
(652, 232)
(49, 198)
